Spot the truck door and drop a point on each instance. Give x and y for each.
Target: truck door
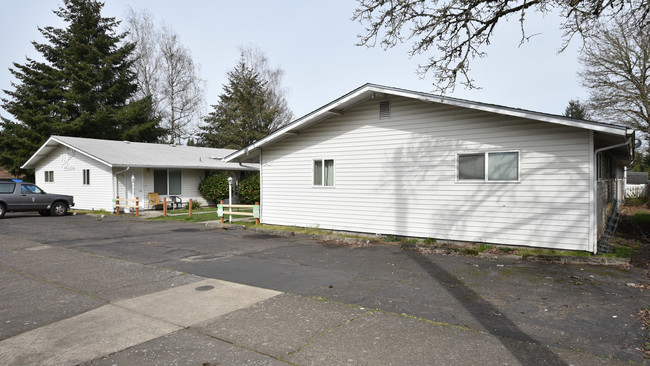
(31, 198)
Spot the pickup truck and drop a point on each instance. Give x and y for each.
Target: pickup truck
(16, 195)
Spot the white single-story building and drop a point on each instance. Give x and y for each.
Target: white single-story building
(95, 171)
(385, 160)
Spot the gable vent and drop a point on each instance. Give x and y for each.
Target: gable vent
(384, 109)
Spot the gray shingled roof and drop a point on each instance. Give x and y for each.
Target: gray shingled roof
(144, 155)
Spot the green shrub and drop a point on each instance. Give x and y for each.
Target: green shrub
(429, 241)
(249, 189)
(195, 205)
(215, 187)
(390, 238)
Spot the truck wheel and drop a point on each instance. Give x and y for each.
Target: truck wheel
(3, 210)
(59, 209)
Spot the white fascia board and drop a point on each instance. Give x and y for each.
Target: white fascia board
(371, 88)
(242, 167)
(301, 122)
(29, 161)
(54, 139)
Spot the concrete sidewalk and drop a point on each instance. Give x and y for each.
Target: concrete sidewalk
(64, 307)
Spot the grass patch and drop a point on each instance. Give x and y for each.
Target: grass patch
(483, 247)
(196, 217)
(538, 251)
(391, 238)
(468, 251)
(94, 212)
(642, 218)
(430, 241)
(295, 229)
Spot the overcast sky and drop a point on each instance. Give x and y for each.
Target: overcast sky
(314, 43)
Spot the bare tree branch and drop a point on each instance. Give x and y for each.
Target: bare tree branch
(166, 71)
(616, 64)
(455, 32)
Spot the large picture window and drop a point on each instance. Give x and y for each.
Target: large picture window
(324, 172)
(160, 181)
(168, 181)
(175, 179)
(489, 166)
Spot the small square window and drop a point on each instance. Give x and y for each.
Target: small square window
(49, 176)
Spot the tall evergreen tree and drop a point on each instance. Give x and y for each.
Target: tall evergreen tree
(576, 110)
(84, 88)
(243, 114)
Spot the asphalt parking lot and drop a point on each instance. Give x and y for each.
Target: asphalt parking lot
(59, 268)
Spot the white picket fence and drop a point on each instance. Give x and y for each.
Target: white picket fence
(636, 190)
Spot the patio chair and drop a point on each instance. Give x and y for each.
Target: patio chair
(154, 201)
(176, 201)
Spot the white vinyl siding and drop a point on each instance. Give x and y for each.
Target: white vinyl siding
(68, 167)
(399, 176)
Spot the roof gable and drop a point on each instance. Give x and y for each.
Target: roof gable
(372, 91)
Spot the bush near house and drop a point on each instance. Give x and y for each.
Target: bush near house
(215, 187)
(249, 189)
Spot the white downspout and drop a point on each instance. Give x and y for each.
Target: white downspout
(598, 151)
(116, 190)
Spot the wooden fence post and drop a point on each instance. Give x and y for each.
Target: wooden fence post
(257, 220)
(137, 206)
(165, 207)
(221, 220)
(117, 205)
(190, 206)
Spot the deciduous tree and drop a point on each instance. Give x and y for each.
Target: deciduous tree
(617, 73)
(166, 71)
(454, 32)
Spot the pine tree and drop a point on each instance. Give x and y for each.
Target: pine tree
(84, 88)
(576, 110)
(243, 114)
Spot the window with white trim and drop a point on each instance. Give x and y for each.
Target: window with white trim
(49, 175)
(324, 172)
(497, 166)
(86, 173)
(167, 181)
